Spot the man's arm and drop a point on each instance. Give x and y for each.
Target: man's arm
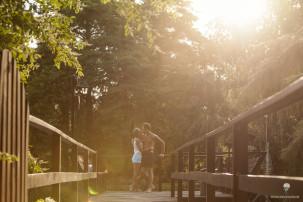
(161, 141)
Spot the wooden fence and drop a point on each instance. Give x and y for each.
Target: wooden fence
(13, 132)
(239, 183)
(80, 155)
(15, 182)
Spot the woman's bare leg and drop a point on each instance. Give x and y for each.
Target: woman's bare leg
(136, 175)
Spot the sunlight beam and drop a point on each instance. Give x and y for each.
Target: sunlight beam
(239, 13)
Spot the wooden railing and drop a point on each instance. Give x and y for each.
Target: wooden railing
(238, 182)
(13, 131)
(56, 177)
(15, 121)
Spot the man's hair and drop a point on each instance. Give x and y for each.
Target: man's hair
(136, 132)
(147, 125)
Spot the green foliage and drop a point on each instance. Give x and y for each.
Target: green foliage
(8, 157)
(165, 72)
(92, 192)
(50, 91)
(139, 15)
(36, 165)
(26, 22)
(261, 63)
(48, 199)
(167, 84)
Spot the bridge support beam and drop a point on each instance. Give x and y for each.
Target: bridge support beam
(240, 159)
(56, 165)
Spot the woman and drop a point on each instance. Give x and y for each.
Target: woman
(136, 158)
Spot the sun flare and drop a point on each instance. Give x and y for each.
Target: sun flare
(229, 12)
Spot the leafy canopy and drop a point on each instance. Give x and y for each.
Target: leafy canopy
(138, 20)
(25, 23)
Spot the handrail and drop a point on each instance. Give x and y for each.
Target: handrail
(45, 179)
(270, 184)
(291, 94)
(202, 138)
(215, 179)
(238, 182)
(42, 125)
(84, 169)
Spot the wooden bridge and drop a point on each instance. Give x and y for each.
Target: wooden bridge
(210, 185)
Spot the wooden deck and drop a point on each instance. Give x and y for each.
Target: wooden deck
(134, 197)
(164, 196)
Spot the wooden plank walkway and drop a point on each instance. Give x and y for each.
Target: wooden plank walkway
(134, 197)
(164, 196)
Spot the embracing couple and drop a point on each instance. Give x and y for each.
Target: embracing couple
(143, 141)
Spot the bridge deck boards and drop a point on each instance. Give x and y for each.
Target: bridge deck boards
(116, 196)
(134, 197)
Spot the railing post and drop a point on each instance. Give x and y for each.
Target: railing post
(86, 192)
(56, 165)
(86, 182)
(229, 160)
(160, 175)
(220, 166)
(101, 179)
(210, 158)
(173, 169)
(240, 159)
(180, 169)
(74, 168)
(202, 184)
(95, 169)
(83, 185)
(78, 169)
(191, 167)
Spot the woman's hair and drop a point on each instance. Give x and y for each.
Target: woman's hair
(147, 126)
(136, 132)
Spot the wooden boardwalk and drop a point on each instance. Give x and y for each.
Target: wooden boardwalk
(164, 196)
(134, 197)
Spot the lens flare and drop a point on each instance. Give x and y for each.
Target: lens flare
(231, 12)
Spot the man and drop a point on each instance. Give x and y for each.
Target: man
(149, 140)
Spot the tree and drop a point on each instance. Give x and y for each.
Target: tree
(50, 91)
(130, 81)
(144, 61)
(26, 22)
(168, 85)
(260, 64)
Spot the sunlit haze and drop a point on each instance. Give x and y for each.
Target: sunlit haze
(239, 13)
